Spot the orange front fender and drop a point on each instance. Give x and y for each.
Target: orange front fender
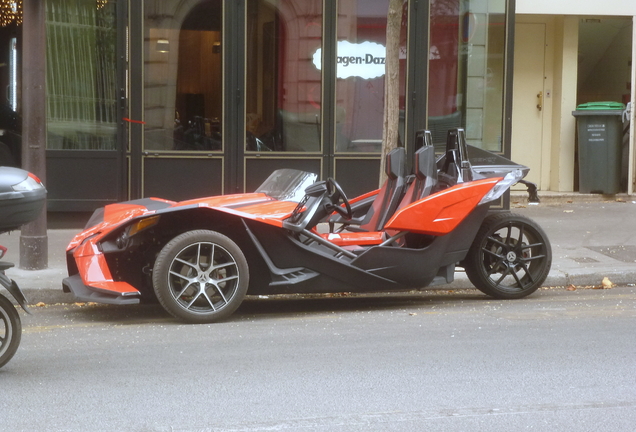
(440, 213)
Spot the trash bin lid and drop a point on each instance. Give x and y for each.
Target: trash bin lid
(601, 106)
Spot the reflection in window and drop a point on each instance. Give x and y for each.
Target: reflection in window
(183, 75)
(81, 75)
(360, 72)
(466, 71)
(10, 119)
(283, 97)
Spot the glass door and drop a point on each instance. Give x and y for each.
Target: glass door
(315, 88)
(360, 90)
(183, 146)
(467, 71)
(283, 88)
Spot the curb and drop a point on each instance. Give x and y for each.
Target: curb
(556, 278)
(594, 279)
(547, 197)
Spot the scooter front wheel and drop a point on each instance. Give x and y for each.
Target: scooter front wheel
(510, 257)
(10, 330)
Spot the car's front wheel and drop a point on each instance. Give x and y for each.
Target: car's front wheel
(510, 257)
(200, 276)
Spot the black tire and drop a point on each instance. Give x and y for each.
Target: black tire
(510, 257)
(10, 330)
(191, 289)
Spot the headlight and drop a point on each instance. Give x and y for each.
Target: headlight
(143, 224)
(29, 184)
(122, 240)
(501, 187)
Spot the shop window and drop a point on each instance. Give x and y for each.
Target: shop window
(466, 71)
(283, 87)
(360, 70)
(81, 75)
(10, 119)
(183, 75)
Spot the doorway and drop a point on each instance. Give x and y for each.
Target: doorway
(183, 153)
(530, 97)
(604, 72)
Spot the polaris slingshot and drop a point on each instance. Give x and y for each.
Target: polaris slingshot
(294, 234)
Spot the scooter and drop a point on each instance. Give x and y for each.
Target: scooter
(22, 197)
(10, 324)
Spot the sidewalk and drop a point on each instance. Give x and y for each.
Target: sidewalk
(592, 237)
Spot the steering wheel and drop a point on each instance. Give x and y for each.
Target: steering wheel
(335, 195)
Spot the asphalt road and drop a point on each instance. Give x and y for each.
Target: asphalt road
(556, 361)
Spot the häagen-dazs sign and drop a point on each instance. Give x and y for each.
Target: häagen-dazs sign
(364, 60)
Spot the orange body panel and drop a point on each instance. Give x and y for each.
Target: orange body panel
(256, 206)
(272, 212)
(94, 270)
(440, 213)
(126, 211)
(228, 200)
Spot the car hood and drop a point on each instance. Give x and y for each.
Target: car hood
(251, 206)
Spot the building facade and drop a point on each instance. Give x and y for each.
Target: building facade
(186, 98)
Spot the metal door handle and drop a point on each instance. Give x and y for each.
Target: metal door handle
(540, 104)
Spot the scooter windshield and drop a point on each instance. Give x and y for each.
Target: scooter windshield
(287, 184)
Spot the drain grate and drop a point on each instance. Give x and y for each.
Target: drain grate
(624, 253)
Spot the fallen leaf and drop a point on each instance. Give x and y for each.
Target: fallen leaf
(607, 284)
(570, 288)
(412, 314)
(40, 304)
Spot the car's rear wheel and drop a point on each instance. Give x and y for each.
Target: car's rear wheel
(200, 276)
(510, 256)
(10, 330)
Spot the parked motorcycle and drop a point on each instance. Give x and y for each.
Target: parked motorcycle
(10, 324)
(22, 196)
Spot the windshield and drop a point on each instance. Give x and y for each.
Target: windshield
(287, 184)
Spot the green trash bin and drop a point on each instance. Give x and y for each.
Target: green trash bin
(600, 137)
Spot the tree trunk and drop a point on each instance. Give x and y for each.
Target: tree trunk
(390, 130)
